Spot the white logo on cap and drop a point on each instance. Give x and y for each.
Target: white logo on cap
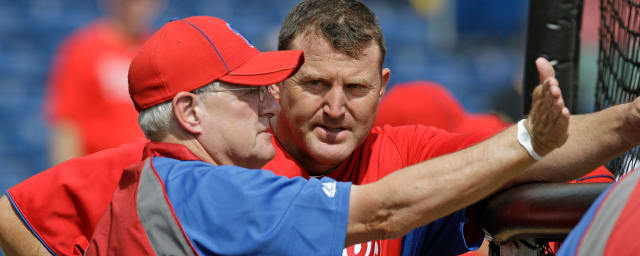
(238, 33)
(329, 188)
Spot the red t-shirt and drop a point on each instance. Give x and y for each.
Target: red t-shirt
(384, 151)
(88, 87)
(63, 204)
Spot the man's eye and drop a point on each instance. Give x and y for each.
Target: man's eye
(357, 89)
(355, 86)
(250, 92)
(312, 83)
(314, 86)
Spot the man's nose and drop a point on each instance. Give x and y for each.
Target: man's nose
(269, 107)
(334, 105)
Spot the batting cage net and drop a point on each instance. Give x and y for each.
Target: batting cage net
(619, 65)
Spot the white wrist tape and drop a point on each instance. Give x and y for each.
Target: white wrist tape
(525, 140)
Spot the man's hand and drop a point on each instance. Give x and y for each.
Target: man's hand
(632, 122)
(548, 121)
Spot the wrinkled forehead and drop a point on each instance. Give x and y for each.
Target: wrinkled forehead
(311, 36)
(323, 63)
(317, 47)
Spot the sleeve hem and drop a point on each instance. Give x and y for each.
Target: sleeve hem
(26, 222)
(342, 218)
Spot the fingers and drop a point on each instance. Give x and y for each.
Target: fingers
(544, 96)
(551, 103)
(545, 69)
(548, 121)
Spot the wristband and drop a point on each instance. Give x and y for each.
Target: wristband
(525, 140)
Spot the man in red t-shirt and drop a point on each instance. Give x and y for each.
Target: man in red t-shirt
(88, 104)
(325, 129)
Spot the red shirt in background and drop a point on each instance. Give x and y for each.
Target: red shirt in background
(89, 87)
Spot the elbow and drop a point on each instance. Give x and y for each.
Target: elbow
(376, 227)
(390, 231)
(391, 227)
(375, 218)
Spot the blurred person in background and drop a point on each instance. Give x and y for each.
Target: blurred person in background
(430, 104)
(87, 101)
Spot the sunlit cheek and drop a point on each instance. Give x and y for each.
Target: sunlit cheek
(308, 99)
(306, 110)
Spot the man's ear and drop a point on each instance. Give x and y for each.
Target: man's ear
(186, 108)
(385, 75)
(274, 89)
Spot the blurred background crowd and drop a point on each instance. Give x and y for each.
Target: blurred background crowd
(473, 48)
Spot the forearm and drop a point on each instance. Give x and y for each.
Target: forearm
(593, 140)
(422, 193)
(15, 237)
(419, 194)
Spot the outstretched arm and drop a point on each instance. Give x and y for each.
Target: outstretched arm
(594, 139)
(15, 237)
(419, 194)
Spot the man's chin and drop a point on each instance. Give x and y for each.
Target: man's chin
(331, 154)
(263, 157)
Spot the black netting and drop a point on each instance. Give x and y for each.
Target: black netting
(619, 65)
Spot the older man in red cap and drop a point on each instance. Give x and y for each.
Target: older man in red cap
(201, 90)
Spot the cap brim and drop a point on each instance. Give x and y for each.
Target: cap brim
(266, 68)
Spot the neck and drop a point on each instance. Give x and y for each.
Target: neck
(325, 172)
(194, 146)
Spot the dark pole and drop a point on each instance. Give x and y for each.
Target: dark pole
(554, 33)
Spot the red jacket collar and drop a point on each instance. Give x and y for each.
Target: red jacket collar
(171, 150)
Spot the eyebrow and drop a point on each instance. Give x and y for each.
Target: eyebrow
(311, 76)
(307, 76)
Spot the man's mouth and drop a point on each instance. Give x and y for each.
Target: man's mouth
(333, 129)
(331, 134)
(265, 130)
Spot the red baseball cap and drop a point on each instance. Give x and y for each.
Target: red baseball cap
(420, 102)
(430, 104)
(187, 54)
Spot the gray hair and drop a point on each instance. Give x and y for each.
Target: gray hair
(156, 121)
